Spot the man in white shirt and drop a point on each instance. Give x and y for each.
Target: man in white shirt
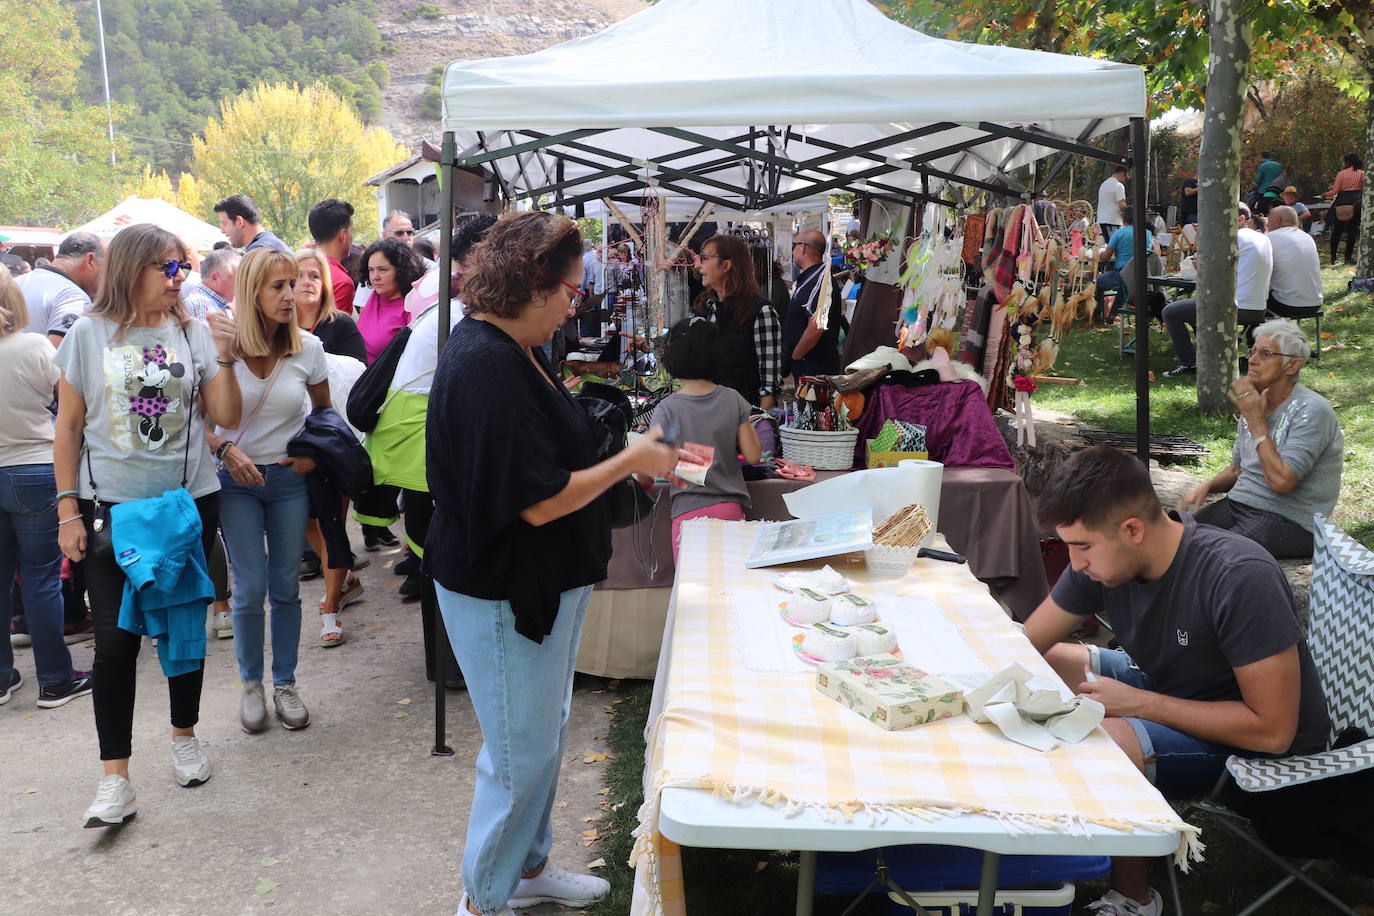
(1254, 265)
(59, 293)
(1111, 200)
(1295, 288)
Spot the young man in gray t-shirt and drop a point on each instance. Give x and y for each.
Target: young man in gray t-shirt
(1212, 661)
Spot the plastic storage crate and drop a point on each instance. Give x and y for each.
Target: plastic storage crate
(1050, 901)
(928, 867)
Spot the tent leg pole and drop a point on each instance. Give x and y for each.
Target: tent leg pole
(448, 156)
(1139, 162)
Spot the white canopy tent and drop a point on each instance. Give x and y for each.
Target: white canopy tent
(133, 210)
(760, 104)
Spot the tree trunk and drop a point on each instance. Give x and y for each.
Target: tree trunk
(1364, 266)
(1218, 191)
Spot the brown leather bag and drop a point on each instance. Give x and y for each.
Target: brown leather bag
(1345, 212)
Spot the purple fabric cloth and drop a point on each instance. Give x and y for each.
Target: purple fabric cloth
(960, 431)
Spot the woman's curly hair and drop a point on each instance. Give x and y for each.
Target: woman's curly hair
(521, 256)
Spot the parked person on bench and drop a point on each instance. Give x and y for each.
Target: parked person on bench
(1212, 659)
(1286, 463)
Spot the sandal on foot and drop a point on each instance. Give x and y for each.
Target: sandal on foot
(331, 634)
(352, 593)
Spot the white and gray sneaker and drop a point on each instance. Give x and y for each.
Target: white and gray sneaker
(190, 763)
(554, 885)
(222, 624)
(1114, 903)
(252, 708)
(291, 711)
(114, 803)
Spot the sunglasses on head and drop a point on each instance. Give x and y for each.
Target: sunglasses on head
(170, 269)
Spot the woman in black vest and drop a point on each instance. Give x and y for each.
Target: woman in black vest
(750, 333)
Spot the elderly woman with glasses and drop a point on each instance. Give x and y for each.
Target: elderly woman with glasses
(1286, 463)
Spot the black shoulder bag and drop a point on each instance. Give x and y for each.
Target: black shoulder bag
(610, 416)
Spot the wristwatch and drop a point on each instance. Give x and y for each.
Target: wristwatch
(1259, 439)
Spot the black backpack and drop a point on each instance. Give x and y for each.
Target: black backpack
(610, 416)
(368, 395)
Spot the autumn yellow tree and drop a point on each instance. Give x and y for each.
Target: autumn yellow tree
(288, 148)
(186, 194)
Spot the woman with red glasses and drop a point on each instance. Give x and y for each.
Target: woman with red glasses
(136, 372)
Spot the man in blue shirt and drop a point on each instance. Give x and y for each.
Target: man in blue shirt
(1120, 248)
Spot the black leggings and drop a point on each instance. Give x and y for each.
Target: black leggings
(116, 651)
(419, 510)
(1350, 229)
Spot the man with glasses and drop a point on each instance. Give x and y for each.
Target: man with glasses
(1286, 463)
(398, 226)
(1254, 267)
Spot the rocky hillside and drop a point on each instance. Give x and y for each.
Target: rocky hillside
(424, 34)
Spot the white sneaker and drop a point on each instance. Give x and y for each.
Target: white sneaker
(114, 803)
(464, 911)
(1115, 904)
(222, 623)
(190, 763)
(554, 885)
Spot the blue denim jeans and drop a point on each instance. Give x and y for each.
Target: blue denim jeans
(28, 542)
(522, 692)
(264, 533)
(1179, 765)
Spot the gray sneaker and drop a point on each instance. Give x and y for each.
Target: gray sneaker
(291, 711)
(253, 708)
(190, 763)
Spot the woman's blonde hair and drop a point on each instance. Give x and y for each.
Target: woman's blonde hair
(131, 250)
(328, 308)
(14, 311)
(251, 340)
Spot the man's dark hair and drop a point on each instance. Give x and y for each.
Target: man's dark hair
(1121, 169)
(236, 205)
(220, 244)
(424, 248)
(1265, 154)
(468, 233)
(693, 350)
(328, 218)
(1099, 487)
(78, 245)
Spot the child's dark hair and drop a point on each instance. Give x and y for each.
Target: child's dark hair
(693, 350)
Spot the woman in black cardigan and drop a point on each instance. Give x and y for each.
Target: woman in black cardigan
(519, 537)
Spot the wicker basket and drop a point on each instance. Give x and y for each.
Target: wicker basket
(824, 451)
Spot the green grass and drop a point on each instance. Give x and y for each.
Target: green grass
(1344, 375)
(725, 882)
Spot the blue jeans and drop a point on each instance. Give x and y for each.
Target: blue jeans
(28, 541)
(1179, 765)
(264, 532)
(522, 692)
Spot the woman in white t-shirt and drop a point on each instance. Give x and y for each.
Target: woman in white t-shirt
(263, 498)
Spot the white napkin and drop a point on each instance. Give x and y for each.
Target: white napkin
(1033, 710)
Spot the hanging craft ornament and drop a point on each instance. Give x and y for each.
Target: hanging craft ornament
(932, 283)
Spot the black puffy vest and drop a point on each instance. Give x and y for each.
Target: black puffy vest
(739, 364)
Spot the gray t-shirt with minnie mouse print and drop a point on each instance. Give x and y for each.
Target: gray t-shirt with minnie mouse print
(138, 394)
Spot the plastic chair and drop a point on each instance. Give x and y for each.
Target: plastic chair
(1341, 639)
(1154, 267)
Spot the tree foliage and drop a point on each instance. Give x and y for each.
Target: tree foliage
(54, 147)
(288, 148)
(172, 61)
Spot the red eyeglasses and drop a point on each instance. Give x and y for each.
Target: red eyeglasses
(573, 289)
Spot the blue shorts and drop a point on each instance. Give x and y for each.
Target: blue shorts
(1179, 765)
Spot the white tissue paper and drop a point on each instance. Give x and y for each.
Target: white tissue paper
(1033, 710)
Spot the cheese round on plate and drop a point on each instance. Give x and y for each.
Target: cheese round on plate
(874, 639)
(807, 606)
(829, 644)
(851, 610)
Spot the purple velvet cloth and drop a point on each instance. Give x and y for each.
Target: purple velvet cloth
(960, 430)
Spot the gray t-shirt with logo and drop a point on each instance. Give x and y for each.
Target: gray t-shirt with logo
(1223, 603)
(139, 407)
(1308, 436)
(709, 419)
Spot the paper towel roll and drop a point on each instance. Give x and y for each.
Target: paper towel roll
(921, 484)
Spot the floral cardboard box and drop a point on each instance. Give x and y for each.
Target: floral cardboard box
(888, 692)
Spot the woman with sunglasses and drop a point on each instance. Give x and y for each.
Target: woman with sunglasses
(265, 506)
(136, 373)
(518, 538)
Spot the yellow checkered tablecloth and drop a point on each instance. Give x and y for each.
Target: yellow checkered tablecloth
(731, 720)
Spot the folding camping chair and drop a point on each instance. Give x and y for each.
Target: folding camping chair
(1341, 639)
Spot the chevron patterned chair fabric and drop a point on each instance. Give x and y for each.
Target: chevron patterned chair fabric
(1341, 639)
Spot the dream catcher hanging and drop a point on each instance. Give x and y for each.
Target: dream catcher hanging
(932, 280)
